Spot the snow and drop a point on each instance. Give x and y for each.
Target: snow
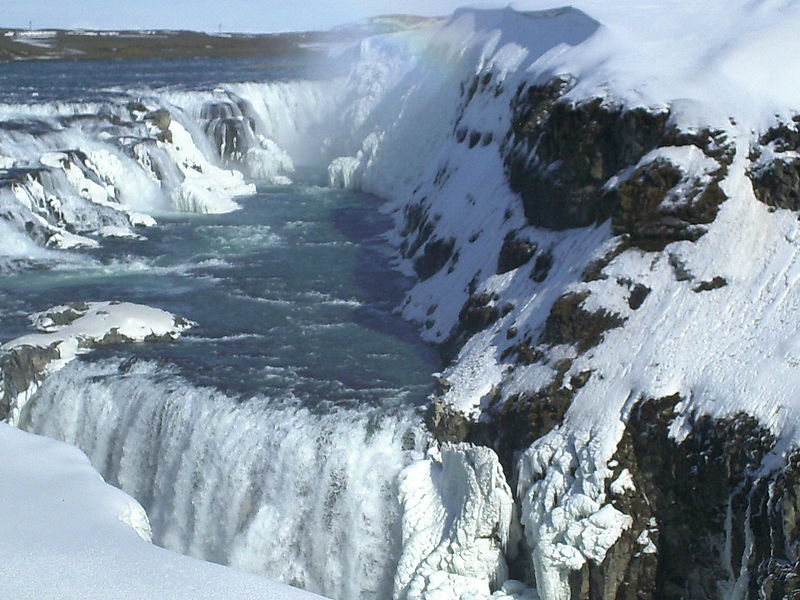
(712, 64)
(68, 536)
(644, 540)
(623, 483)
(392, 128)
(91, 322)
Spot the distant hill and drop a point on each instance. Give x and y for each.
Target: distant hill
(55, 44)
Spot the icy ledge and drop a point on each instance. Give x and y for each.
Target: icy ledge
(459, 524)
(65, 331)
(70, 536)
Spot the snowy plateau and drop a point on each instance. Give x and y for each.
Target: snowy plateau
(598, 206)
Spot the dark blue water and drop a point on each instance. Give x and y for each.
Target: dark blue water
(99, 80)
(292, 294)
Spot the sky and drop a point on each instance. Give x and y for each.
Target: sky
(210, 15)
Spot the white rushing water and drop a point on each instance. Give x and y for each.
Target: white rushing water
(271, 487)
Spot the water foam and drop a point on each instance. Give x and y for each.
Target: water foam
(267, 485)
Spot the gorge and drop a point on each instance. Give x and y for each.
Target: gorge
(589, 216)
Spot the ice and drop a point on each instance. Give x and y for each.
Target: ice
(458, 522)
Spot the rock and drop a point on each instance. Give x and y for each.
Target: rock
(447, 424)
(559, 154)
(477, 313)
(136, 106)
(417, 229)
(566, 160)
(519, 419)
(660, 203)
(775, 168)
(689, 500)
(232, 128)
(21, 369)
(569, 323)
(542, 266)
(165, 135)
(434, 257)
(159, 118)
(713, 284)
(514, 253)
(638, 295)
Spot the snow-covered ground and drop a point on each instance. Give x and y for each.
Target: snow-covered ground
(68, 535)
(64, 332)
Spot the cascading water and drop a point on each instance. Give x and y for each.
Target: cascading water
(270, 486)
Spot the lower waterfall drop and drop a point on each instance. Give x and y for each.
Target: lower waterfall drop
(305, 495)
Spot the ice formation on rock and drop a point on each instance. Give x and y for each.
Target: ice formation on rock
(459, 522)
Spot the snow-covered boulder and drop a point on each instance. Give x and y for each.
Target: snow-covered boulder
(65, 331)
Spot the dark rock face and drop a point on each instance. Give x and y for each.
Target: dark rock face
(159, 118)
(638, 295)
(660, 204)
(569, 323)
(521, 419)
(477, 313)
(514, 254)
(19, 369)
(24, 367)
(542, 266)
(446, 424)
(693, 500)
(775, 171)
(559, 154)
(713, 284)
(434, 257)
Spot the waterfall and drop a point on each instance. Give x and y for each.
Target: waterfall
(271, 486)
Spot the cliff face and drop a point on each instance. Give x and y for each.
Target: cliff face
(606, 249)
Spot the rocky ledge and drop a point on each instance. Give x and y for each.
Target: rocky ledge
(64, 332)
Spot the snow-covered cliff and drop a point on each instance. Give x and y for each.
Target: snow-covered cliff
(599, 206)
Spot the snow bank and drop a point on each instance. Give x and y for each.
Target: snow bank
(67, 535)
